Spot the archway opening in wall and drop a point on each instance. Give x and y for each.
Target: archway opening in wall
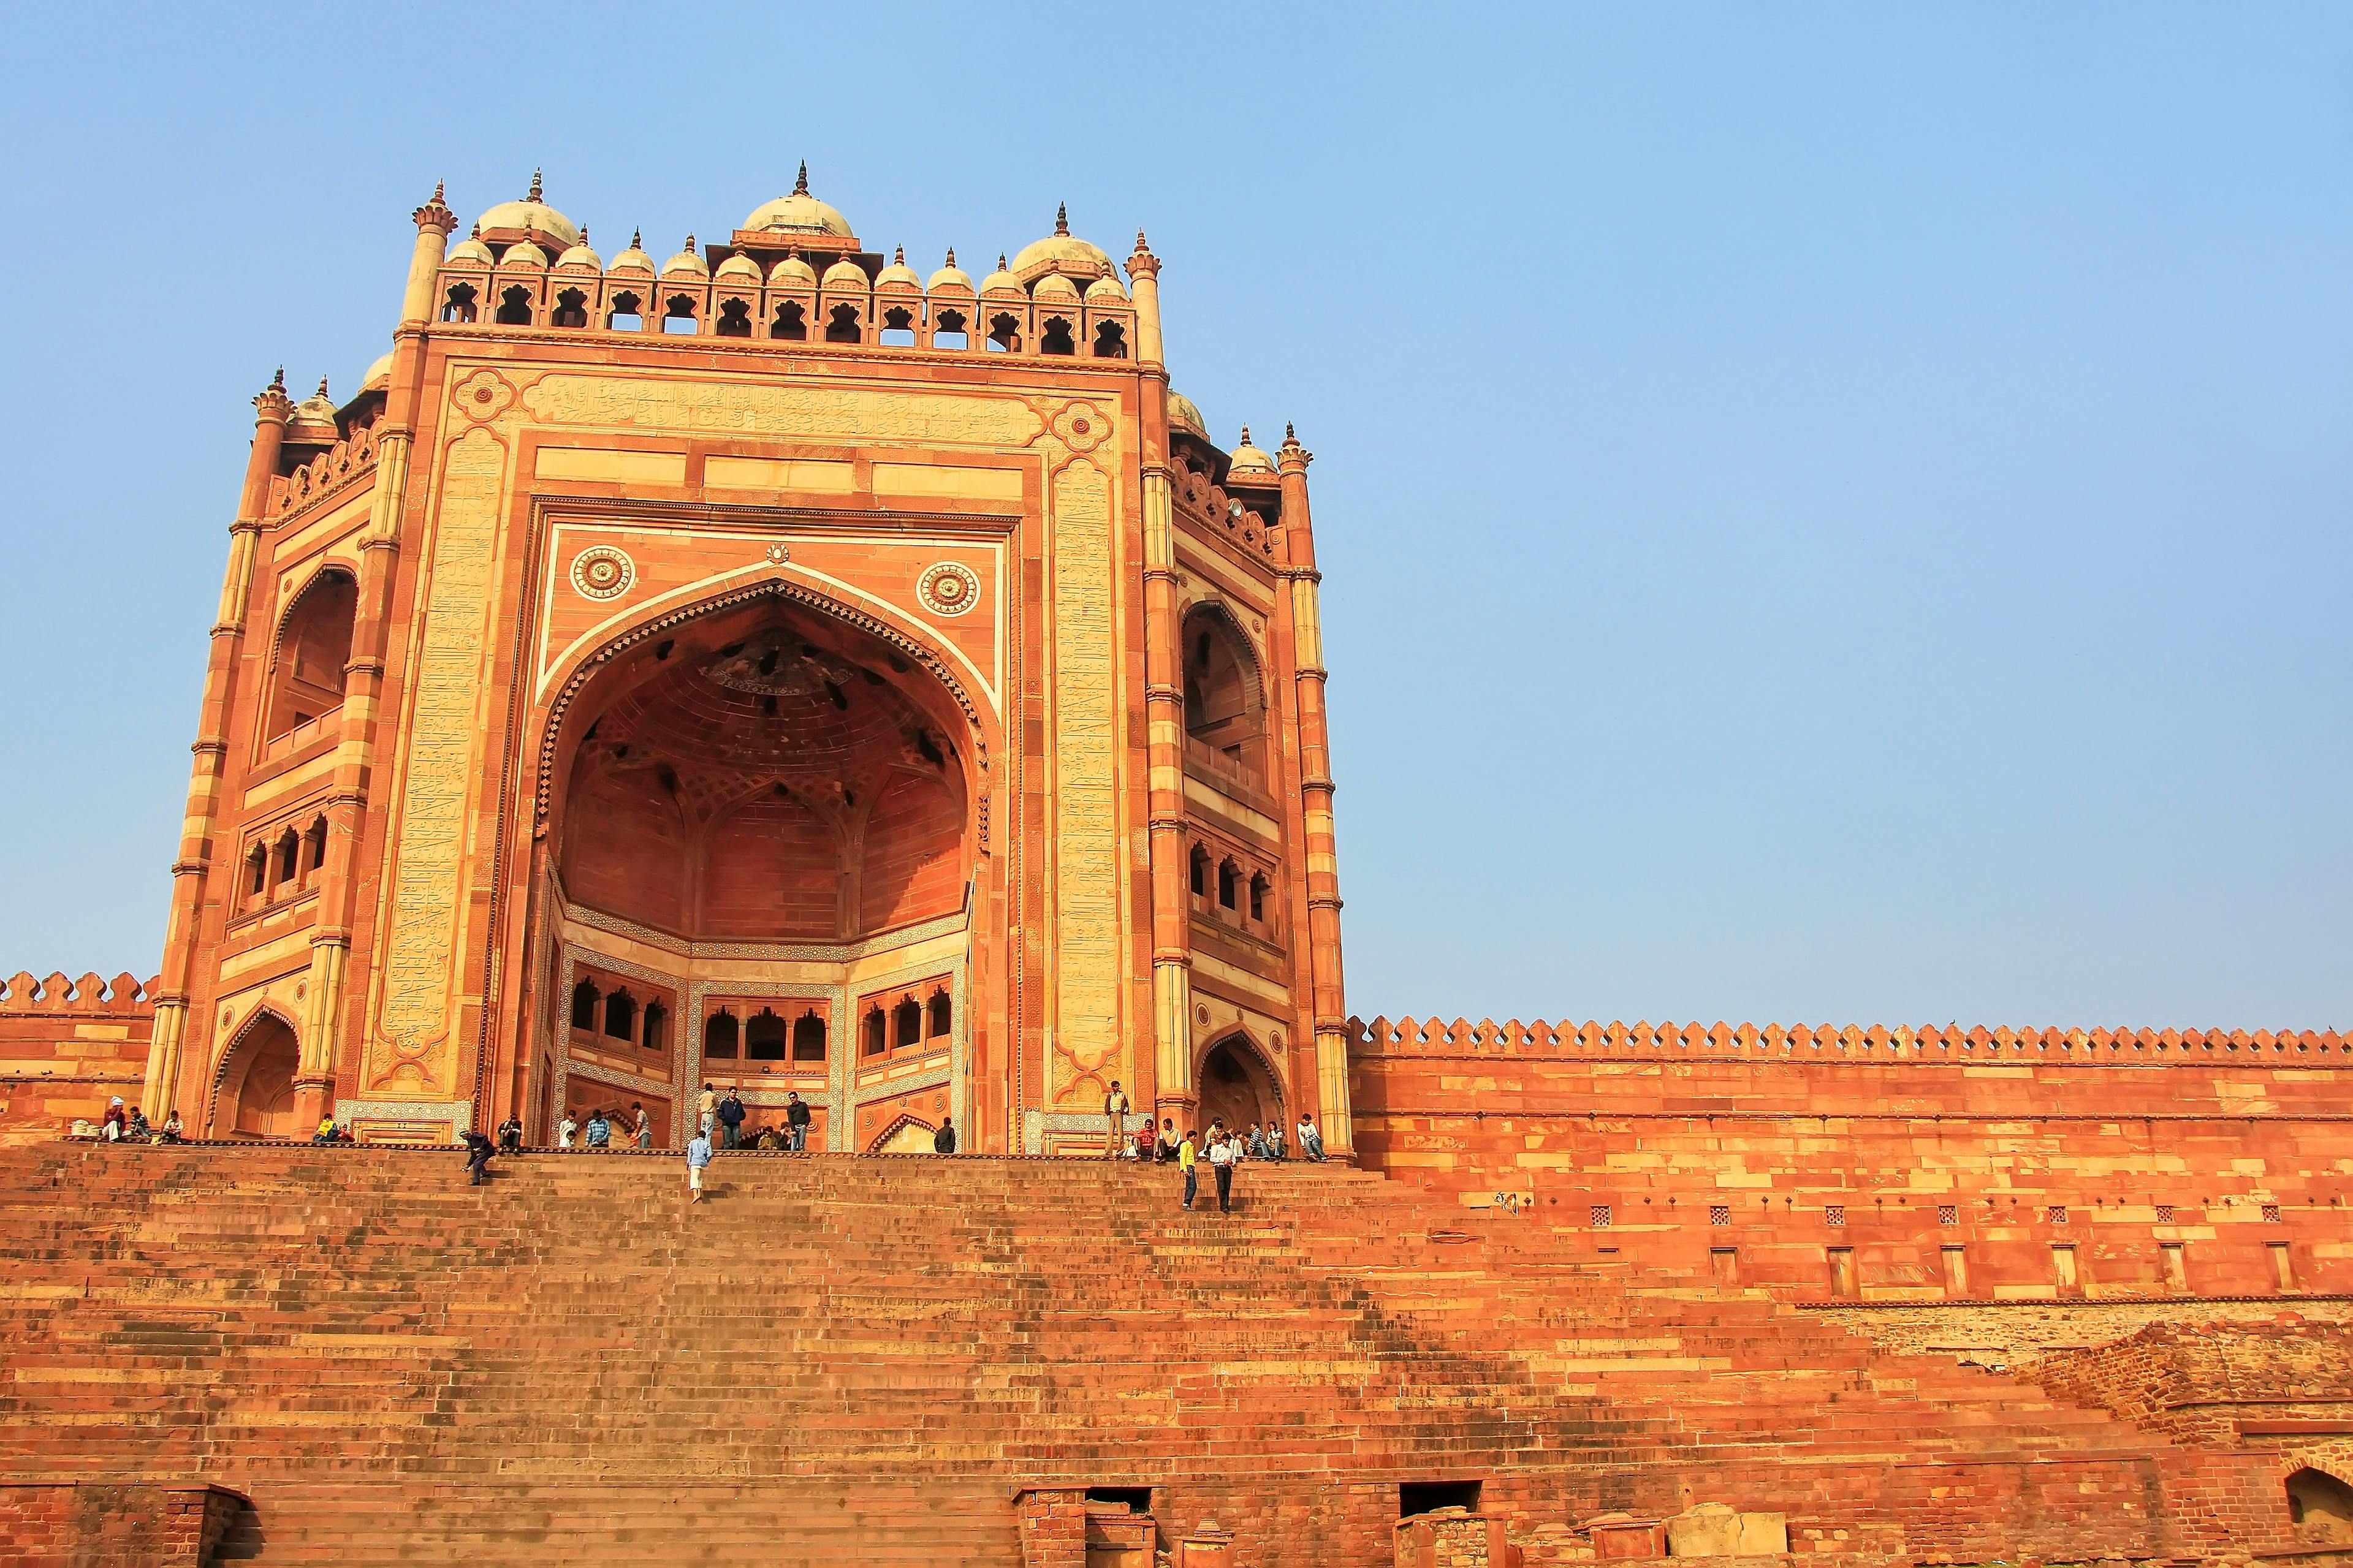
(257, 1091)
(2320, 1507)
(315, 644)
(1236, 1088)
(1225, 706)
(775, 781)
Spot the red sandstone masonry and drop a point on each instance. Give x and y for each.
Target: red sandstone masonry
(66, 1046)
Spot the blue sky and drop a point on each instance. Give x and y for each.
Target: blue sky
(1829, 514)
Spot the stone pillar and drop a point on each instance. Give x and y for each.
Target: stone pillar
(325, 1006)
(1144, 288)
(190, 870)
(1174, 1095)
(1315, 787)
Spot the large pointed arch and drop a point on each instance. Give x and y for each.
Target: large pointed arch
(253, 1083)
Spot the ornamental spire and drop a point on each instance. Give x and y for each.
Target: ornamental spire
(1062, 218)
(951, 255)
(800, 186)
(534, 195)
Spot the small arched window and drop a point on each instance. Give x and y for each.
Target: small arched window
(258, 863)
(459, 306)
(735, 320)
(876, 1029)
(628, 314)
(677, 316)
(621, 1016)
(317, 839)
(654, 1034)
(1260, 887)
(941, 1014)
(514, 307)
(315, 644)
(1200, 872)
(1055, 338)
(764, 1036)
(898, 328)
(720, 1034)
(791, 322)
(1110, 340)
(583, 1004)
(571, 309)
(949, 331)
(1004, 335)
(808, 1038)
(1230, 877)
(1225, 712)
(289, 856)
(907, 1021)
(841, 325)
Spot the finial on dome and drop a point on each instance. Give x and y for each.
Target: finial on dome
(1290, 434)
(278, 381)
(477, 229)
(636, 239)
(1062, 218)
(800, 186)
(584, 234)
(898, 256)
(1246, 441)
(437, 192)
(1000, 261)
(534, 195)
(323, 388)
(951, 255)
(1140, 246)
(689, 246)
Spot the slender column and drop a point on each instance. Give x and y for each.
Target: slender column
(191, 870)
(1315, 791)
(325, 1006)
(1144, 288)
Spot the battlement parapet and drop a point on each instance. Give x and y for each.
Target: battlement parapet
(2139, 1048)
(123, 996)
(330, 472)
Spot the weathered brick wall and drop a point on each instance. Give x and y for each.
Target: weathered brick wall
(80, 1524)
(65, 1047)
(2043, 1166)
(2215, 1382)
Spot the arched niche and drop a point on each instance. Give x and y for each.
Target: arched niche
(256, 1094)
(1225, 700)
(2320, 1507)
(1238, 1085)
(315, 644)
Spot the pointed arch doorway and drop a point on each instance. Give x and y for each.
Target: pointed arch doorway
(1237, 1087)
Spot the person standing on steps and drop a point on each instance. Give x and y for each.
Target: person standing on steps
(1184, 1164)
(565, 1130)
(707, 1109)
(730, 1120)
(478, 1151)
(797, 1123)
(1115, 1109)
(944, 1140)
(645, 1124)
(600, 1132)
(698, 1154)
(1224, 1153)
(1310, 1142)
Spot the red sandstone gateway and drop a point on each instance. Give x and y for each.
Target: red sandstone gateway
(773, 668)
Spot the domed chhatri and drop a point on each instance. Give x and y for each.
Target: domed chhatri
(950, 275)
(1002, 280)
(530, 218)
(898, 272)
(1248, 460)
(793, 272)
(1063, 253)
(799, 213)
(1183, 414)
(739, 265)
(314, 418)
(687, 263)
(637, 258)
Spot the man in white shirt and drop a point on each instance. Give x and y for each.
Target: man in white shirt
(1115, 1109)
(1222, 1153)
(1310, 1142)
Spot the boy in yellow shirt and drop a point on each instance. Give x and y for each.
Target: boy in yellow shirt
(1184, 1164)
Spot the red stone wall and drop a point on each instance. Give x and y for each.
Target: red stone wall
(913, 870)
(65, 1047)
(2050, 1168)
(772, 871)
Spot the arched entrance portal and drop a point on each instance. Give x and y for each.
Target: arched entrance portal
(256, 1089)
(773, 808)
(1237, 1086)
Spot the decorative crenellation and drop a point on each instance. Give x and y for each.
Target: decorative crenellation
(1209, 506)
(351, 459)
(1433, 1037)
(125, 993)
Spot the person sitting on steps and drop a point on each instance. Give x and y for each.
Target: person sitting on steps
(1310, 1142)
(511, 1135)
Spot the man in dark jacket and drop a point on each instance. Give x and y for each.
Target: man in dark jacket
(478, 1151)
(797, 1123)
(944, 1140)
(730, 1119)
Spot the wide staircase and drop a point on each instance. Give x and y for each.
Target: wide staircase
(837, 1359)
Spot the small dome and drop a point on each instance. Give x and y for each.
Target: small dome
(1105, 289)
(898, 271)
(1063, 252)
(950, 275)
(1248, 460)
(314, 417)
(580, 256)
(739, 265)
(792, 272)
(378, 374)
(845, 274)
(799, 213)
(635, 259)
(467, 252)
(1055, 286)
(536, 217)
(687, 262)
(524, 254)
(1000, 281)
(1183, 414)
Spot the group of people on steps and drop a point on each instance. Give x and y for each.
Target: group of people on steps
(1223, 1148)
